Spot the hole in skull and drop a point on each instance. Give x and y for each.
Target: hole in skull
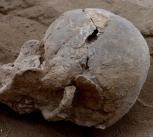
(92, 37)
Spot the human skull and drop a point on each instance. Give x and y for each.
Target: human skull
(89, 69)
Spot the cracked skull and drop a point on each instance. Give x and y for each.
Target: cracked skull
(89, 69)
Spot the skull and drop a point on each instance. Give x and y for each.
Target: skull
(89, 69)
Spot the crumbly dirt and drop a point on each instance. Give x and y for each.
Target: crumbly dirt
(22, 20)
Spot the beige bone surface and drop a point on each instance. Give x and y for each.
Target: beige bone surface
(89, 69)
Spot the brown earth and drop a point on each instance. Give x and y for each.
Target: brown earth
(22, 20)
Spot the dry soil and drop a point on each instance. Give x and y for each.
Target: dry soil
(22, 20)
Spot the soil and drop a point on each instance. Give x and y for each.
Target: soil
(22, 20)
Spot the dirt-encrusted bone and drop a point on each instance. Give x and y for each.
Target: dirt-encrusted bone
(89, 69)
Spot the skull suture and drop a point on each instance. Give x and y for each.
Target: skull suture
(88, 69)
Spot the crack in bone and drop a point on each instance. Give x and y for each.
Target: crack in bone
(99, 21)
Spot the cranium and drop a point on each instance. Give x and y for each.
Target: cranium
(89, 69)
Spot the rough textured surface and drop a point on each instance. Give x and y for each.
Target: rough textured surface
(15, 31)
(88, 69)
(137, 123)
